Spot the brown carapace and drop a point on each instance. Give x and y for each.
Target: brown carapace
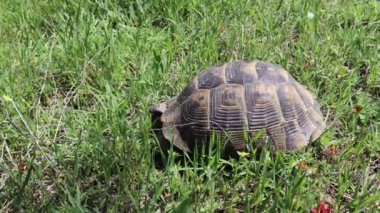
(240, 100)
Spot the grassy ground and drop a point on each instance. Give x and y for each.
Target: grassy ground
(77, 78)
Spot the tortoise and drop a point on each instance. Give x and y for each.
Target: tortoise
(236, 100)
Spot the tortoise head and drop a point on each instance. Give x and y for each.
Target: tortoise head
(164, 117)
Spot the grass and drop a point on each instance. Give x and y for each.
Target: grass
(81, 75)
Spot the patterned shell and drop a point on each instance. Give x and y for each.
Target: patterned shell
(240, 99)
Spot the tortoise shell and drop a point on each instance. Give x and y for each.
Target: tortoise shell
(240, 99)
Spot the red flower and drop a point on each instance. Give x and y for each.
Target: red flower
(358, 108)
(323, 208)
(302, 164)
(22, 167)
